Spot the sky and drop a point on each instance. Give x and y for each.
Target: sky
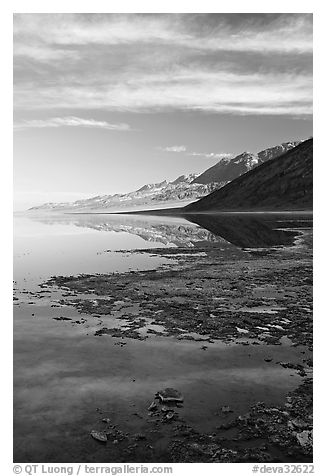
(104, 103)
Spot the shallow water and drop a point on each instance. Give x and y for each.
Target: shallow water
(45, 247)
(63, 373)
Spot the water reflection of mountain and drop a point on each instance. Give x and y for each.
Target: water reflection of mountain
(165, 233)
(244, 231)
(162, 230)
(248, 231)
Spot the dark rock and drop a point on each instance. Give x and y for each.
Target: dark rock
(152, 407)
(62, 318)
(170, 395)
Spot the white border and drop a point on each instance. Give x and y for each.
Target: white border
(167, 6)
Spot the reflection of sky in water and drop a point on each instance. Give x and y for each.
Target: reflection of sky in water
(71, 374)
(43, 249)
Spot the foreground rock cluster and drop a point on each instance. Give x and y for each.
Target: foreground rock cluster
(264, 434)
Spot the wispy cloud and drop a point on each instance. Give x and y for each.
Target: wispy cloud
(44, 53)
(71, 121)
(213, 155)
(174, 148)
(223, 92)
(230, 64)
(209, 155)
(280, 34)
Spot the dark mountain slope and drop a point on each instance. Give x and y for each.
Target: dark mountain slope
(228, 169)
(283, 183)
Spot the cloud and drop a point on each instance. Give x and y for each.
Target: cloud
(284, 33)
(213, 155)
(221, 92)
(229, 64)
(71, 121)
(174, 148)
(44, 53)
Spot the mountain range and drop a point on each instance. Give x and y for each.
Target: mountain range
(282, 183)
(183, 190)
(229, 169)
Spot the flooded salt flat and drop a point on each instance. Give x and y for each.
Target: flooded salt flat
(66, 377)
(44, 247)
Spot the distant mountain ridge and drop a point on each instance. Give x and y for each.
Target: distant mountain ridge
(282, 183)
(181, 189)
(185, 188)
(227, 170)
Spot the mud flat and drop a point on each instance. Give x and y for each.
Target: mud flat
(256, 300)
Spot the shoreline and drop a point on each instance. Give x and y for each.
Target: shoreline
(168, 212)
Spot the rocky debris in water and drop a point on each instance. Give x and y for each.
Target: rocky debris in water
(118, 332)
(289, 365)
(298, 424)
(114, 434)
(99, 436)
(81, 321)
(184, 308)
(309, 362)
(268, 359)
(152, 407)
(164, 409)
(62, 318)
(280, 425)
(305, 440)
(206, 450)
(169, 395)
(264, 434)
(169, 415)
